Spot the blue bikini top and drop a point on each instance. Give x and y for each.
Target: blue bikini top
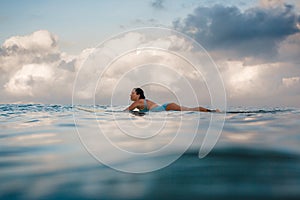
(145, 107)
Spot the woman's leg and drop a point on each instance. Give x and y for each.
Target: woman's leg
(173, 106)
(176, 107)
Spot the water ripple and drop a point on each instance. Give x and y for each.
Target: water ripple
(42, 157)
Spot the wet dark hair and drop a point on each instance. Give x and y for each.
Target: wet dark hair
(140, 92)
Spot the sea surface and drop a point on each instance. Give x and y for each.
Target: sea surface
(99, 152)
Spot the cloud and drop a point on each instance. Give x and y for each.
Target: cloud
(23, 81)
(257, 50)
(136, 67)
(157, 4)
(39, 41)
(270, 84)
(291, 82)
(255, 32)
(34, 69)
(289, 49)
(278, 3)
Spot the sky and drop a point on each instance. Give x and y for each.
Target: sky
(255, 45)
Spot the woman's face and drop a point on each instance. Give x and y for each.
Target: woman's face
(134, 96)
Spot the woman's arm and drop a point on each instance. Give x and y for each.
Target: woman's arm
(133, 106)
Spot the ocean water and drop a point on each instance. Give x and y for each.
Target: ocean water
(64, 152)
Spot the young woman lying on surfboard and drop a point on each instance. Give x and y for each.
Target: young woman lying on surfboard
(145, 105)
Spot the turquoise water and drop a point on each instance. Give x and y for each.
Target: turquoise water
(42, 156)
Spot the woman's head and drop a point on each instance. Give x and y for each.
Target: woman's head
(136, 94)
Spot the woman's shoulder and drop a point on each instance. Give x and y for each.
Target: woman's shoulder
(150, 101)
(140, 101)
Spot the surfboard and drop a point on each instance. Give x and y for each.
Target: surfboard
(89, 110)
(137, 113)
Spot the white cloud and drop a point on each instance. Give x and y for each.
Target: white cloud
(22, 82)
(33, 69)
(291, 82)
(271, 3)
(242, 79)
(271, 84)
(38, 41)
(139, 65)
(278, 3)
(289, 49)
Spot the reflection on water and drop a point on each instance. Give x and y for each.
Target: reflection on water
(42, 157)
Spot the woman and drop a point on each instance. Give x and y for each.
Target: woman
(145, 105)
